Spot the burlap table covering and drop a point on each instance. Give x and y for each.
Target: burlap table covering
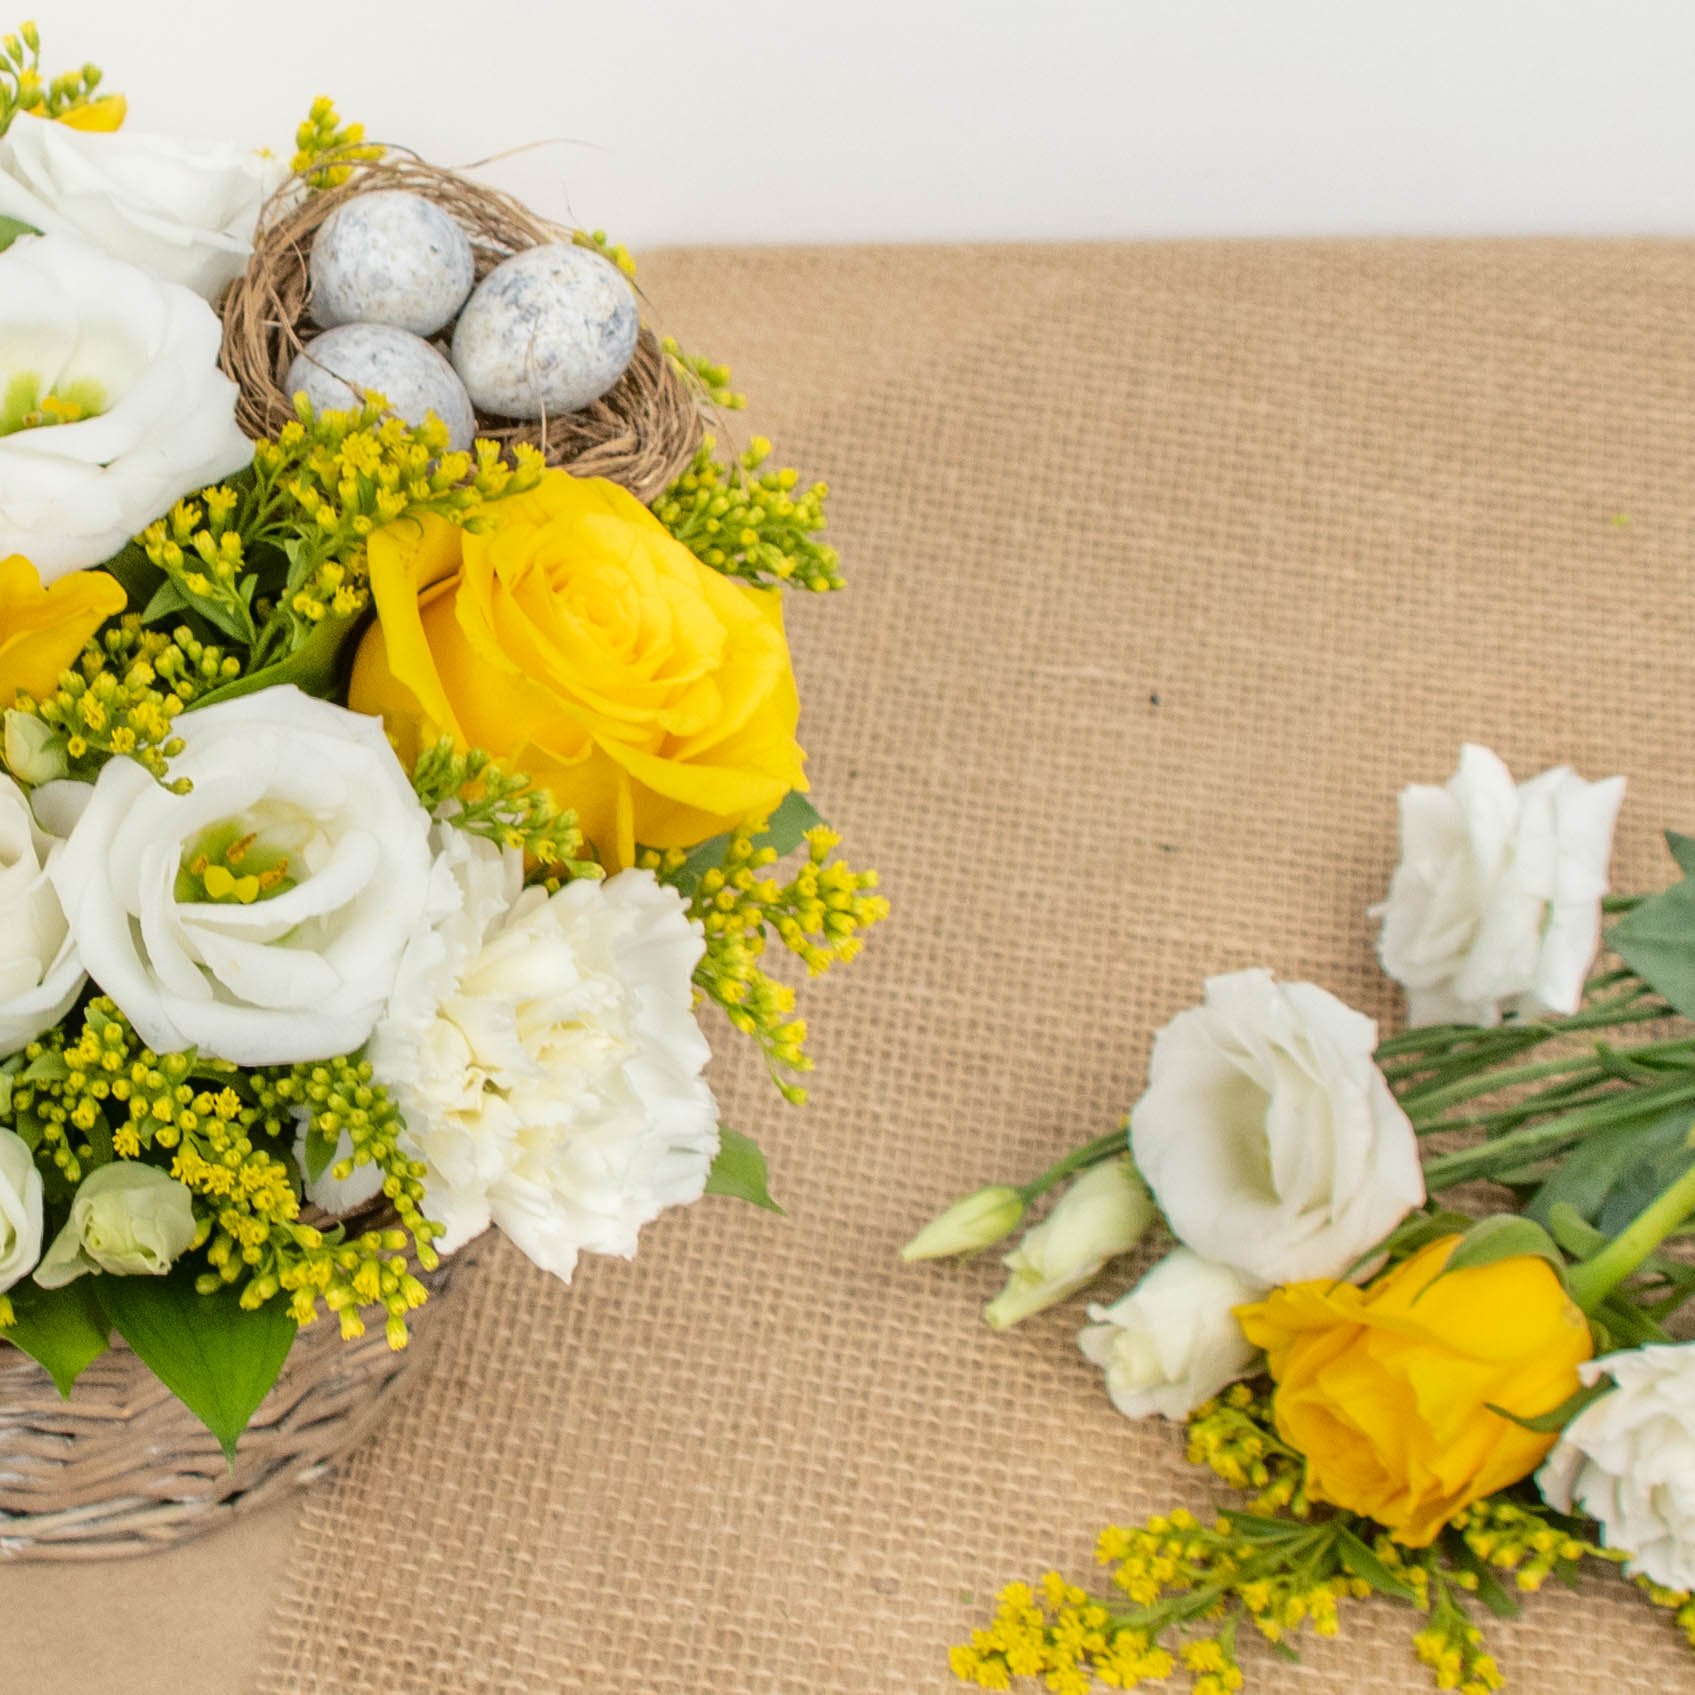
(1168, 566)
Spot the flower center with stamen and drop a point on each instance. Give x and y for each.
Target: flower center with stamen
(231, 868)
(25, 407)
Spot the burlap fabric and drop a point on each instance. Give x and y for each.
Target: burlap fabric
(1168, 566)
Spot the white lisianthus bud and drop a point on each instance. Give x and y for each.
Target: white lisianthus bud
(127, 1218)
(31, 755)
(20, 1209)
(978, 1221)
(1628, 1461)
(1103, 1213)
(1174, 1340)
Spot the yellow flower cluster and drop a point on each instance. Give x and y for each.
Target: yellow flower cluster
(1515, 1538)
(1452, 1646)
(68, 97)
(712, 380)
(1678, 1602)
(324, 142)
(820, 915)
(748, 522)
(1235, 1436)
(615, 253)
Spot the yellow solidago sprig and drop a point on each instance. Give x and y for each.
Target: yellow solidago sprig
(122, 698)
(473, 793)
(83, 1097)
(615, 253)
(69, 97)
(1235, 1436)
(820, 914)
(711, 380)
(274, 560)
(326, 149)
(748, 522)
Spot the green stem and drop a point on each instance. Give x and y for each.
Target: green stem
(1431, 1100)
(1596, 1278)
(1091, 1153)
(1537, 1140)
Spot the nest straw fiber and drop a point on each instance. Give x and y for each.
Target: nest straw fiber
(123, 1467)
(641, 434)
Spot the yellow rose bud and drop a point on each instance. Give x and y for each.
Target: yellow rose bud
(577, 640)
(42, 630)
(1386, 1390)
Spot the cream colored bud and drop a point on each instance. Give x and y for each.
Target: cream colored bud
(31, 755)
(1105, 1212)
(978, 1221)
(127, 1218)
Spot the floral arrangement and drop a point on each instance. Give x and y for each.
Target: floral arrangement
(1423, 1312)
(379, 809)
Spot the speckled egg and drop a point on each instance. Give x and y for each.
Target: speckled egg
(390, 258)
(548, 330)
(402, 367)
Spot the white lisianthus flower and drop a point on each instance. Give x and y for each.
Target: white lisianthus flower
(20, 1209)
(260, 917)
(1628, 1461)
(130, 1219)
(1267, 1133)
(1103, 1213)
(1496, 904)
(40, 970)
(183, 210)
(1174, 1340)
(544, 1055)
(112, 405)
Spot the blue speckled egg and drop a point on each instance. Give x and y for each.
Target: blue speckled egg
(390, 258)
(402, 367)
(548, 330)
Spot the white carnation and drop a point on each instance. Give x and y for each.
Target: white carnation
(544, 1055)
(1267, 1133)
(131, 364)
(316, 794)
(40, 970)
(183, 210)
(1496, 903)
(1628, 1461)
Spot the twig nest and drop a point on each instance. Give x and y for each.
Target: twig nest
(336, 370)
(642, 433)
(549, 330)
(393, 258)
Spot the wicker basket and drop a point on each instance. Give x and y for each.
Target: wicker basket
(123, 1467)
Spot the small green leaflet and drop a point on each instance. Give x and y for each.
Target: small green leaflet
(313, 667)
(1507, 1235)
(739, 1171)
(1592, 1172)
(1360, 1560)
(785, 831)
(218, 1360)
(65, 1330)
(1490, 1591)
(11, 229)
(1551, 1423)
(1656, 939)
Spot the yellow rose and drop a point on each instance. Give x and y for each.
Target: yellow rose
(1386, 1390)
(577, 640)
(42, 630)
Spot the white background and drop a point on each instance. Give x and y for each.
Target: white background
(873, 120)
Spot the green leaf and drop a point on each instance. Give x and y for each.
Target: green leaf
(48, 1067)
(1360, 1560)
(314, 666)
(1284, 1652)
(1416, 1232)
(166, 599)
(64, 1330)
(739, 1171)
(1646, 1181)
(785, 831)
(1506, 1235)
(320, 1153)
(1657, 941)
(1552, 1423)
(11, 229)
(138, 576)
(1490, 1590)
(217, 1359)
(1574, 1233)
(1683, 851)
(1589, 1173)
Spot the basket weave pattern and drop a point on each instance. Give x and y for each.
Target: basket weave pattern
(123, 1467)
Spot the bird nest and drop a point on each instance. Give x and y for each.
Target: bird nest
(641, 434)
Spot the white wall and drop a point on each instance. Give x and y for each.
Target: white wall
(865, 120)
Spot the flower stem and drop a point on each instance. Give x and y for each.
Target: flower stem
(1091, 1153)
(1596, 1278)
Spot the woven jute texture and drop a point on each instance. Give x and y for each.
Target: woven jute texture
(1168, 567)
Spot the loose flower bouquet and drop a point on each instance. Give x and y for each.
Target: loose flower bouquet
(1424, 1307)
(378, 808)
